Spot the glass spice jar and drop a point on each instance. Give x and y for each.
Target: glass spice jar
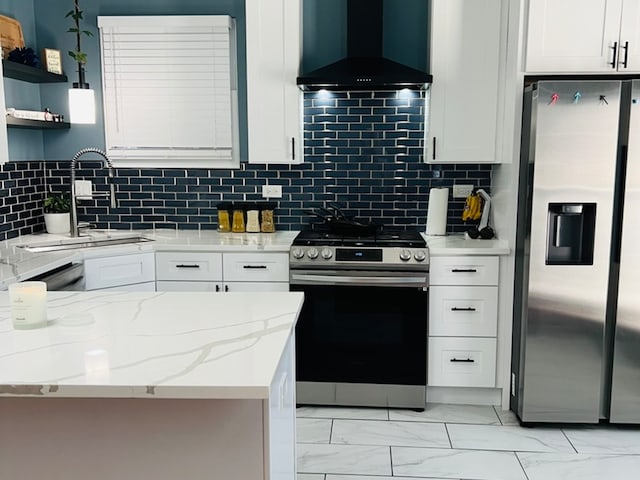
(253, 218)
(267, 224)
(224, 217)
(237, 220)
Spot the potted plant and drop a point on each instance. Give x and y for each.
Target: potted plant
(56, 213)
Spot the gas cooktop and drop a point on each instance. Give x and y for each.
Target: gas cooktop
(387, 237)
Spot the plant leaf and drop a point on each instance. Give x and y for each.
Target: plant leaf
(69, 13)
(73, 30)
(87, 33)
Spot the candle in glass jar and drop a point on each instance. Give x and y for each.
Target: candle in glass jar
(28, 304)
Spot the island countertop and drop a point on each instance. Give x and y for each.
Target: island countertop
(149, 345)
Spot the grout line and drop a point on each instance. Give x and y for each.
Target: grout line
(446, 429)
(331, 431)
(569, 440)
(498, 415)
(520, 463)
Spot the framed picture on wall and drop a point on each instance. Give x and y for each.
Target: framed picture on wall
(51, 60)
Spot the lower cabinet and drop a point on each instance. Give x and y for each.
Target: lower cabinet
(463, 321)
(135, 272)
(222, 272)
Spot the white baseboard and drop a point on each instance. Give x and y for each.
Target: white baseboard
(461, 395)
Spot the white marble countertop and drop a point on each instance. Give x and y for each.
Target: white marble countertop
(17, 264)
(459, 245)
(149, 345)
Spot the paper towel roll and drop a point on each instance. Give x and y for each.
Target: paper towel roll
(437, 211)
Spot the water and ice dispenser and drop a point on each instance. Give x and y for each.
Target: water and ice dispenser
(570, 233)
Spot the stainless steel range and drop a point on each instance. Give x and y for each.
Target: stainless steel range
(362, 334)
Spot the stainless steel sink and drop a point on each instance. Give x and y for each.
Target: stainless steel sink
(83, 243)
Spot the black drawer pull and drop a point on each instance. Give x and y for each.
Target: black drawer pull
(465, 309)
(464, 270)
(187, 266)
(256, 267)
(464, 360)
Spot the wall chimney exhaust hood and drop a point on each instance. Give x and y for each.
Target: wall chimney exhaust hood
(365, 67)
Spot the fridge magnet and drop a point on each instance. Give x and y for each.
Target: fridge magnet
(52, 61)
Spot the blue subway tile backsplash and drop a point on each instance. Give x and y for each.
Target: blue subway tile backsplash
(363, 152)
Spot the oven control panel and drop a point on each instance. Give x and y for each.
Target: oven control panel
(304, 255)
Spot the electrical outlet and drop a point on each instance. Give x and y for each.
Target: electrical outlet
(272, 191)
(462, 191)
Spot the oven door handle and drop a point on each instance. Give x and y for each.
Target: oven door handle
(310, 279)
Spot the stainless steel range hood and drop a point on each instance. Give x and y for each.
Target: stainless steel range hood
(365, 67)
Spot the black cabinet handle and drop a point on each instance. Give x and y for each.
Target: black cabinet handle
(626, 54)
(615, 55)
(464, 270)
(187, 266)
(462, 360)
(226, 288)
(434, 148)
(217, 288)
(465, 309)
(255, 267)
(293, 148)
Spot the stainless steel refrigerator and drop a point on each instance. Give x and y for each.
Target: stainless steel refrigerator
(576, 337)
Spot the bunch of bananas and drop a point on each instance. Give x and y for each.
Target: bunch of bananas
(472, 207)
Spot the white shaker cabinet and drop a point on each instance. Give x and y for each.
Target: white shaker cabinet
(463, 319)
(135, 272)
(222, 272)
(466, 44)
(274, 101)
(583, 36)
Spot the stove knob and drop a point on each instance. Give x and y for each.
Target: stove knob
(312, 253)
(297, 253)
(420, 256)
(326, 253)
(405, 255)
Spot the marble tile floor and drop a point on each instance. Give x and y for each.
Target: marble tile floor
(457, 442)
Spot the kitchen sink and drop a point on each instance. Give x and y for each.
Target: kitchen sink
(76, 243)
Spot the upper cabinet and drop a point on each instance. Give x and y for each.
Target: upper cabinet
(273, 98)
(583, 36)
(465, 63)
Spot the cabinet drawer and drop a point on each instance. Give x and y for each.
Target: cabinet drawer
(119, 270)
(256, 267)
(464, 271)
(173, 286)
(462, 362)
(256, 287)
(463, 311)
(189, 266)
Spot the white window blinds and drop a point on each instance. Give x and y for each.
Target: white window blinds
(170, 90)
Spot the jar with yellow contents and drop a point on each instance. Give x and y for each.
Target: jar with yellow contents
(224, 216)
(237, 219)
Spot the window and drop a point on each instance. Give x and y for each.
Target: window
(170, 90)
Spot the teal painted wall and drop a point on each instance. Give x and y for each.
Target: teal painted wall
(51, 26)
(45, 25)
(23, 144)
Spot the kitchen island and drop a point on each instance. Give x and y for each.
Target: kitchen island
(150, 385)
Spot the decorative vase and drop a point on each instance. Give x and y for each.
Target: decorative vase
(57, 222)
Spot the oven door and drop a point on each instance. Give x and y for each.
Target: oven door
(362, 327)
